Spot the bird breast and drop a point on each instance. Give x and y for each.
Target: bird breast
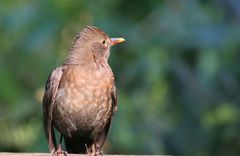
(83, 102)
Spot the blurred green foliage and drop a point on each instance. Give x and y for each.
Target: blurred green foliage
(178, 73)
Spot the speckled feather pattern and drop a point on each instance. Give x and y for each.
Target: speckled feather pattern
(96, 107)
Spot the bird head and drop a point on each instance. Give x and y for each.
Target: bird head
(92, 42)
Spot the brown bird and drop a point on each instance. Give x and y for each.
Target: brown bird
(80, 95)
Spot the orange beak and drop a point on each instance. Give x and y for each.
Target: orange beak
(116, 40)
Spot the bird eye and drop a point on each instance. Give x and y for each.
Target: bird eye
(103, 41)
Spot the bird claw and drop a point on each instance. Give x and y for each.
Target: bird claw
(59, 151)
(95, 151)
(97, 154)
(98, 151)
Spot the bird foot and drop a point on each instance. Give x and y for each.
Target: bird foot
(95, 150)
(59, 151)
(98, 153)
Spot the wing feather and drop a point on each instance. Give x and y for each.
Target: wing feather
(114, 100)
(51, 89)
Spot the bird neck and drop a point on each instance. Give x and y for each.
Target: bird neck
(86, 59)
(77, 56)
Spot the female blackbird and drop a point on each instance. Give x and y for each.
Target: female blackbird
(80, 95)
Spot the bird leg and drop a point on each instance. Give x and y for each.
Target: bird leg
(88, 152)
(59, 149)
(93, 150)
(96, 151)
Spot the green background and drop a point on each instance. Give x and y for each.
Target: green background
(177, 74)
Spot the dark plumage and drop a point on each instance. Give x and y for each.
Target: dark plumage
(80, 95)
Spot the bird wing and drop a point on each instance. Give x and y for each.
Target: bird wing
(51, 89)
(100, 139)
(114, 100)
